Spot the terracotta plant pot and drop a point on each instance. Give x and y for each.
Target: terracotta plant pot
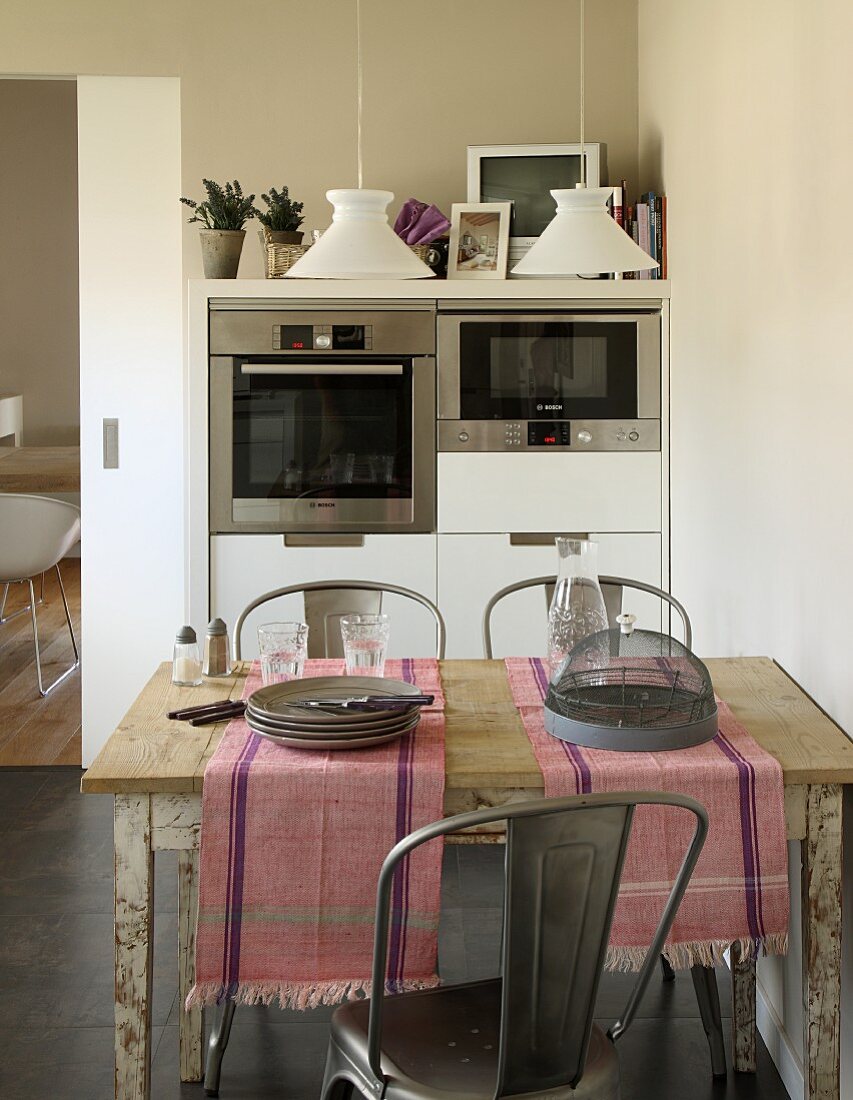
(285, 236)
(220, 252)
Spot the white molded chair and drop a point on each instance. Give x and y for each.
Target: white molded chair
(35, 534)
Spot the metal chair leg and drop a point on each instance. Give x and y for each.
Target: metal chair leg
(708, 996)
(43, 691)
(4, 618)
(666, 969)
(216, 1047)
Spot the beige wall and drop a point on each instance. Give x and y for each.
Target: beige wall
(39, 348)
(267, 87)
(744, 121)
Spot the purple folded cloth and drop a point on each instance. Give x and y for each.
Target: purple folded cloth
(418, 223)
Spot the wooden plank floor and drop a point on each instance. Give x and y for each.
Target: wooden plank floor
(34, 730)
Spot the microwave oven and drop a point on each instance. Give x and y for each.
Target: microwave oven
(523, 379)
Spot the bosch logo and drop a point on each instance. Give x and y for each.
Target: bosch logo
(322, 504)
(550, 408)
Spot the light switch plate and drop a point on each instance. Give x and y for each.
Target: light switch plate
(110, 444)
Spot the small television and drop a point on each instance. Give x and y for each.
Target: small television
(526, 175)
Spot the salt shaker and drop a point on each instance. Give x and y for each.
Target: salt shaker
(186, 664)
(217, 660)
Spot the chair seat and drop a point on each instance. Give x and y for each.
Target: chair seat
(443, 1043)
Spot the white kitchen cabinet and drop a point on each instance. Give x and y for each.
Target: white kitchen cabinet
(471, 568)
(489, 492)
(243, 567)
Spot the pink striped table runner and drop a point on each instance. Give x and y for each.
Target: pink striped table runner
(291, 846)
(739, 890)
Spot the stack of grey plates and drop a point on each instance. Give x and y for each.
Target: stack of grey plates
(287, 715)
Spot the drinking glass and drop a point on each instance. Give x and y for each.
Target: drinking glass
(284, 647)
(341, 467)
(381, 469)
(365, 643)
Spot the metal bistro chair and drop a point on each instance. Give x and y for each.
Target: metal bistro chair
(704, 978)
(530, 1031)
(326, 602)
(37, 532)
(612, 589)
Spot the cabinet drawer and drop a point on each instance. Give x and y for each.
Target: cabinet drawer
(549, 492)
(243, 567)
(472, 568)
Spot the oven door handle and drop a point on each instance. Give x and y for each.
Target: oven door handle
(354, 369)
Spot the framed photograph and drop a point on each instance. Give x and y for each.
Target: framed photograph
(479, 240)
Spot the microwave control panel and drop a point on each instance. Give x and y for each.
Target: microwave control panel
(572, 436)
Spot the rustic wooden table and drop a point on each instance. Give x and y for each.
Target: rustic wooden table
(39, 469)
(155, 770)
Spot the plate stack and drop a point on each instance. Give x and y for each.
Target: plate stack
(283, 713)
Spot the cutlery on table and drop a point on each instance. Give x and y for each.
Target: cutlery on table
(201, 708)
(234, 710)
(366, 702)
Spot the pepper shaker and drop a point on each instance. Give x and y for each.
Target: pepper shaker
(217, 657)
(186, 664)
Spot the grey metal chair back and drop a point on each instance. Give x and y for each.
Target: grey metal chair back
(564, 859)
(612, 589)
(327, 602)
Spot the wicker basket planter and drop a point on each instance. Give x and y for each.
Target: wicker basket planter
(281, 257)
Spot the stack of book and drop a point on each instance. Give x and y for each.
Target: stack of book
(645, 222)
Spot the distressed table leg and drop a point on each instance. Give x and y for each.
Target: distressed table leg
(134, 913)
(821, 885)
(191, 1022)
(743, 1011)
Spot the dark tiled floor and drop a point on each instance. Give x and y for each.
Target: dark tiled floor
(56, 973)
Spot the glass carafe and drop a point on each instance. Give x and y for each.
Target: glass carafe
(577, 607)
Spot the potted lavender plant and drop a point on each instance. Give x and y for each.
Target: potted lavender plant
(282, 218)
(222, 216)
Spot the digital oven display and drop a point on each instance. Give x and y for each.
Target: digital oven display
(297, 337)
(544, 433)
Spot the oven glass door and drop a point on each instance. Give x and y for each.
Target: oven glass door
(524, 369)
(322, 442)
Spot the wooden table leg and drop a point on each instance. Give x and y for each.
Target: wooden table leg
(134, 915)
(821, 886)
(743, 1011)
(191, 1022)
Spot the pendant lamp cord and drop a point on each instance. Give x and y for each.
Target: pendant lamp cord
(583, 92)
(360, 88)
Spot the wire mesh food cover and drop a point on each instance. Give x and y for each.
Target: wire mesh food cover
(639, 691)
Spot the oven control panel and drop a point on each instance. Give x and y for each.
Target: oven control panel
(549, 435)
(322, 337)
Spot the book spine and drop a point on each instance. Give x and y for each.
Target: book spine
(652, 246)
(629, 229)
(664, 263)
(643, 231)
(624, 202)
(659, 235)
(616, 209)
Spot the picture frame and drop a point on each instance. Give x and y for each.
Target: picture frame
(479, 240)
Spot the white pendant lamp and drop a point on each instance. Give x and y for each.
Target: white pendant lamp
(583, 239)
(359, 244)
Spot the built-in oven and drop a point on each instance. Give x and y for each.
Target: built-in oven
(322, 419)
(526, 376)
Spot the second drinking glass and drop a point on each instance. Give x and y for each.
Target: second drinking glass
(284, 647)
(365, 640)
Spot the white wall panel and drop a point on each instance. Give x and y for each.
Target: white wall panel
(129, 155)
(472, 568)
(549, 492)
(243, 567)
